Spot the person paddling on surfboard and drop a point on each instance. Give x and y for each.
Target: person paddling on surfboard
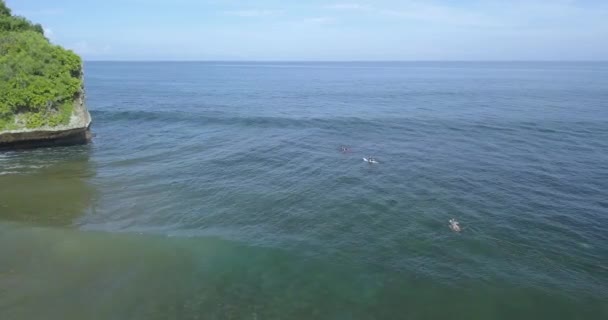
(455, 225)
(370, 160)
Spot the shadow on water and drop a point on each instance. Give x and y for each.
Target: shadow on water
(45, 186)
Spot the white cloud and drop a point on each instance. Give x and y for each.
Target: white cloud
(253, 13)
(48, 32)
(489, 14)
(347, 6)
(320, 20)
(441, 15)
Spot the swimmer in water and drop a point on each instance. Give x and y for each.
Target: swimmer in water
(344, 149)
(455, 225)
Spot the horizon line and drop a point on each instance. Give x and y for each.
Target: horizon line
(331, 61)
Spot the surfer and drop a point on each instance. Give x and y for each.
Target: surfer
(455, 225)
(344, 149)
(370, 160)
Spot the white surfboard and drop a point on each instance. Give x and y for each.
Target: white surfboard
(370, 160)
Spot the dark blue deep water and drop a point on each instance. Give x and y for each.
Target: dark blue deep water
(218, 191)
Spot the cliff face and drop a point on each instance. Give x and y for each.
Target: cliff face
(75, 132)
(41, 88)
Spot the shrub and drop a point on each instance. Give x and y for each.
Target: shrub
(37, 79)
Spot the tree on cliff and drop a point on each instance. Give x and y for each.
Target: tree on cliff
(4, 10)
(38, 80)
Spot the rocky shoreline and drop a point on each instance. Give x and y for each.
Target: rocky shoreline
(76, 132)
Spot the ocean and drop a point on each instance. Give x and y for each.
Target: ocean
(219, 190)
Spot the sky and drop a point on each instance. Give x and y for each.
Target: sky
(325, 30)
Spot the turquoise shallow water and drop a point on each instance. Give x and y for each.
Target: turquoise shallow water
(218, 191)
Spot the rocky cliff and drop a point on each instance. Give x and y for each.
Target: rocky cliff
(41, 88)
(77, 131)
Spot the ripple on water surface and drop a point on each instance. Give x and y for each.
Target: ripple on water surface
(246, 207)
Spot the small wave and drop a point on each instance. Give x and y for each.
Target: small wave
(257, 121)
(25, 167)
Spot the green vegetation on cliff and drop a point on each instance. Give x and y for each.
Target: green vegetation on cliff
(38, 80)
